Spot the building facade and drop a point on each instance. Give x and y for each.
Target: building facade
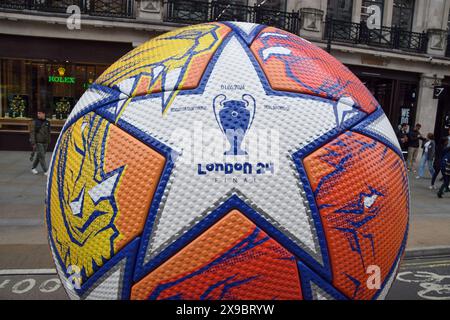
(399, 48)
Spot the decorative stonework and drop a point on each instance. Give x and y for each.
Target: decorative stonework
(311, 19)
(151, 6)
(430, 81)
(436, 39)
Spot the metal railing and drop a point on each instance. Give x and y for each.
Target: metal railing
(106, 8)
(391, 38)
(203, 11)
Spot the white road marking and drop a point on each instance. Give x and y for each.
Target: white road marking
(19, 272)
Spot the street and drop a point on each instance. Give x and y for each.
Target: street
(426, 278)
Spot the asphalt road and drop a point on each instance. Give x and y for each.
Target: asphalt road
(418, 279)
(427, 278)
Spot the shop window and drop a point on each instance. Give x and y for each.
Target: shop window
(398, 98)
(15, 78)
(406, 100)
(402, 15)
(340, 9)
(28, 86)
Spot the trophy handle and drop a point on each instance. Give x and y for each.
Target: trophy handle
(251, 104)
(218, 104)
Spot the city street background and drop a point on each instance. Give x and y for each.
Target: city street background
(27, 270)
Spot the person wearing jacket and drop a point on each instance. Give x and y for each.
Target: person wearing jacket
(440, 147)
(445, 170)
(402, 136)
(427, 159)
(414, 137)
(40, 139)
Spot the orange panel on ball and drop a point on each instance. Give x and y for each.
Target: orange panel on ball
(361, 190)
(143, 168)
(291, 63)
(233, 259)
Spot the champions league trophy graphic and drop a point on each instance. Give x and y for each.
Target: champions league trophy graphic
(234, 118)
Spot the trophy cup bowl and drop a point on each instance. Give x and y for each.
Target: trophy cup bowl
(234, 120)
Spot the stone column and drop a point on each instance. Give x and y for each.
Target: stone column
(420, 16)
(437, 18)
(387, 13)
(312, 14)
(357, 7)
(426, 105)
(436, 24)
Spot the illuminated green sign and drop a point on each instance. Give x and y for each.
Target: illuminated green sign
(58, 79)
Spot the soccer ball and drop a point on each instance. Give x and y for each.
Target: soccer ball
(227, 161)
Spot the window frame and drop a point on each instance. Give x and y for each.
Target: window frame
(401, 8)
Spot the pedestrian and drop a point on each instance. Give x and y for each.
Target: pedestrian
(402, 136)
(440, 147)
(427, 159)
(445, 170)
(414, 137)
(448, 136)
(40, 139)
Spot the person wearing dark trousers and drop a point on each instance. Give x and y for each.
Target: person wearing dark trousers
(414, 137)
(440, 147)
(445, 170)
(402, 136)
(40, 139)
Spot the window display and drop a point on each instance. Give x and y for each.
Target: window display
(27, 86)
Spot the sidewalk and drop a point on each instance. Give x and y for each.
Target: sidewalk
(22, 197)
(430, 216)
(22, 227)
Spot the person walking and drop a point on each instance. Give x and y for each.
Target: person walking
(414, 137)
(40, 139)
(445, 170)
(427, 159)
(440, 147)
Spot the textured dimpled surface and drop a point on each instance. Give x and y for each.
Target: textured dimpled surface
(190, 49)
(360, 187)
(293, 127)
(102, 185)
(294, 64)
(143, 168)
(233, 259)
(147, 197)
